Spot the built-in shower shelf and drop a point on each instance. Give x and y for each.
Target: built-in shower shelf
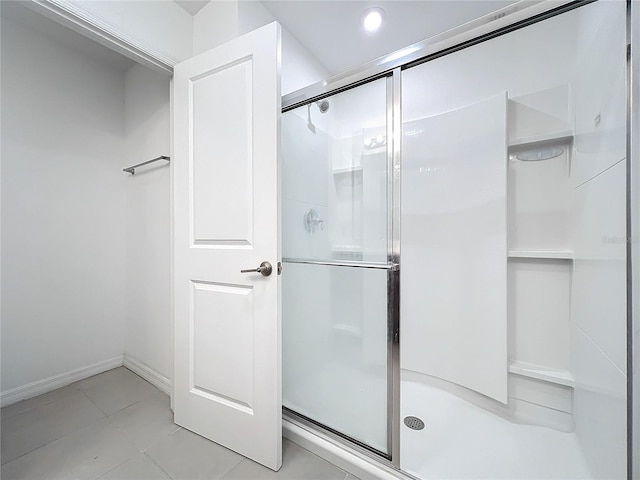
(348, 177)
(558, 254)
(540, 372)
(355, 169)
(564, 136)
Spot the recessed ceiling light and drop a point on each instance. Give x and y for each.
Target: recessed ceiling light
(372, 19)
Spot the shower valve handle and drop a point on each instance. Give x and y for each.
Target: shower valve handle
(265, 269)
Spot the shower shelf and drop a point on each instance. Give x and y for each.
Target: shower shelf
(564, 136)
(539, 372)
(354, 169)
(558, 254)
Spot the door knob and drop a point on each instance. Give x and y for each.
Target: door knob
(265, 269)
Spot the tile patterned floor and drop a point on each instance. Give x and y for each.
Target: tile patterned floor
(117, 426)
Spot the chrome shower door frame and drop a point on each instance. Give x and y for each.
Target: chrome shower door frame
(394, 152)
(392, 266)
(633, 236)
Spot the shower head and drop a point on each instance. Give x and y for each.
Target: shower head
(323, 105)
(310, 124)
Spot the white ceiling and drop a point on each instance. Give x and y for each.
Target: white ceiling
(192, 6)
(332, 29)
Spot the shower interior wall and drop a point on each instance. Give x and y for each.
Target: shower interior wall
(566, 270)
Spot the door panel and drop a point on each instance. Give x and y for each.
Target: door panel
(223, 343)
(454, 245)
(222, 123)
(227, 372)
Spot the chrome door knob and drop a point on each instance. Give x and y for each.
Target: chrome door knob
(265, 269)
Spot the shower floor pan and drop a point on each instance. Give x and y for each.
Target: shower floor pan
(460, 441)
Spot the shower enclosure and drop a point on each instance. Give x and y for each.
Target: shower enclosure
(473, 201)
(339, 271)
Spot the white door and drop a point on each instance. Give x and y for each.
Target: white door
(227, 371)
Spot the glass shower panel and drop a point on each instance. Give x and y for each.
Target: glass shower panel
(334, 248)
(335, 348)
(334, 177)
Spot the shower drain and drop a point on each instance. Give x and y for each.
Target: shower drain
(414, 423)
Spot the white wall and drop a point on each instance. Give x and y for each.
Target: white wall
(219, 22)
(143, 132)
(215, 24)
(171, 34)
(496, 66)
(583, 49)
(147, 331)
(299, 67)
(62, 209)
(161, 27)
(598, 310)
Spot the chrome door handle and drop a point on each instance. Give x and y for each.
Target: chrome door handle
(265, 269)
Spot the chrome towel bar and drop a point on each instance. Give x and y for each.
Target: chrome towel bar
(132, 169)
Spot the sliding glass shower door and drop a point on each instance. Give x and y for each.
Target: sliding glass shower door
(336, 271)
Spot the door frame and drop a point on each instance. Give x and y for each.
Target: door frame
(85, 22)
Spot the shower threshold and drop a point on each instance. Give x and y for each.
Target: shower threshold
(338, 436)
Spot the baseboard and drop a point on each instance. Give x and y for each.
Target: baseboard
(148, 373)
(340, 455)
(39, 387)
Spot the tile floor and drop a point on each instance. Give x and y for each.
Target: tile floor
(117, 426)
